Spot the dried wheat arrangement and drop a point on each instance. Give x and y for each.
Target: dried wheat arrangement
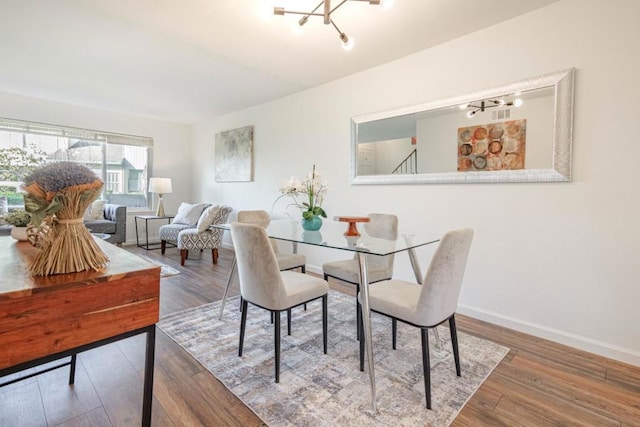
(58, 194)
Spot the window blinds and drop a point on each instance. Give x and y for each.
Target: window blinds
(14, 125)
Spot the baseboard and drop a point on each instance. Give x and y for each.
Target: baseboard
(572, 340)
(314, 269)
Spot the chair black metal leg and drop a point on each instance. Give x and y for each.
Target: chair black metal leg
(243, 324)
(358, 312)
(358, 324)
(72, 369)
(289, 322)
(361, 337)
(324, 323)
(271, 317)
(394, 332)
(241, 299)
(454, 343)
(276, 335)
(426, 366)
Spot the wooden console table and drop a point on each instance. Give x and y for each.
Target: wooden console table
(43, 319)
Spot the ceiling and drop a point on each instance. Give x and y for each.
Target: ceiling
(185, 60)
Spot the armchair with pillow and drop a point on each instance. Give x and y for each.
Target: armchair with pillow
(191, 229)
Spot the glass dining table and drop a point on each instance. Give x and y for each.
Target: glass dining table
(332, 235)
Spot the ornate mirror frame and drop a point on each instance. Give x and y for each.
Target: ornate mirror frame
(562, 82)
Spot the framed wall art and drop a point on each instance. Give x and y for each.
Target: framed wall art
(234, 155)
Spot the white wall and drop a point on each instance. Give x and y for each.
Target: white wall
(171, 150)
(391, 153)
(559, 260)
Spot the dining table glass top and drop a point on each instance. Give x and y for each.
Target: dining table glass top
(332, 235)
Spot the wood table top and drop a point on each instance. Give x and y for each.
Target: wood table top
(17, 282)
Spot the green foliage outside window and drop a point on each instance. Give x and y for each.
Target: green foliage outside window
(15, 164)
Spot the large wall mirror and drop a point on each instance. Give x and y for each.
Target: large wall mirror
(520, 132)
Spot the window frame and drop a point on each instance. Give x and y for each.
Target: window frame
(103, 137)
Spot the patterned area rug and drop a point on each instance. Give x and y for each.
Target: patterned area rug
(165, 270)
(317, 389)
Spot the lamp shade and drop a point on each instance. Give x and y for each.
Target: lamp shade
(160, 185)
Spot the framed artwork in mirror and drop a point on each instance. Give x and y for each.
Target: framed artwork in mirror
(492, 147)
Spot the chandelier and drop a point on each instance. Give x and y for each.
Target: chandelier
(347, 43)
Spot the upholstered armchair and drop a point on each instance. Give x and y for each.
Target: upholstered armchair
(187, 217)
(204, 236)
(199, 237)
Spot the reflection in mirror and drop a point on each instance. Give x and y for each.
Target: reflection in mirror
(515, 133)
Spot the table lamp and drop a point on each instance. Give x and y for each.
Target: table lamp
(160, 186)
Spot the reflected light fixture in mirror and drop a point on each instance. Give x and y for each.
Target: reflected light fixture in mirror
(480, 106)
(327, 10)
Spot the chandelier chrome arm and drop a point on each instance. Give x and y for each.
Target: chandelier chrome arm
(326, 15)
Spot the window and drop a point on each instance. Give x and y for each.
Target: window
(113, 182)
(122, 161)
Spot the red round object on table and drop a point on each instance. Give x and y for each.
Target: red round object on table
(352, 220)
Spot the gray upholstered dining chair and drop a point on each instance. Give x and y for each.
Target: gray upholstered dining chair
(430, 304)
(383, 226)
(285, 261)
(264, 285)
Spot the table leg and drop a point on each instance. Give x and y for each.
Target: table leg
(147, 398)
(135, 220)
(146, 233)
(226, 288)
(366, 323)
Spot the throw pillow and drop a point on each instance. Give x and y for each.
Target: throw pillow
(95, 211)
(189, 214)
(208, 217)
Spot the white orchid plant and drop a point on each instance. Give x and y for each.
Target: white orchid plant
(312, 190)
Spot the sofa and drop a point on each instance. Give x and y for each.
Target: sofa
(114, 223)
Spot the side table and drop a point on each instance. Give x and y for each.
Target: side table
(146, 219)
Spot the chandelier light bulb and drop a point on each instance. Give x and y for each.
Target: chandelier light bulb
(471, 114)
(347, 43)
(463, 106)
(387, 4)
(265, 12)
(517, 102)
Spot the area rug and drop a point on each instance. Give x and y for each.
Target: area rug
(165, 270)
(317, 389)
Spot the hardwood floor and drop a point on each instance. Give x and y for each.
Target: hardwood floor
(539, 383)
